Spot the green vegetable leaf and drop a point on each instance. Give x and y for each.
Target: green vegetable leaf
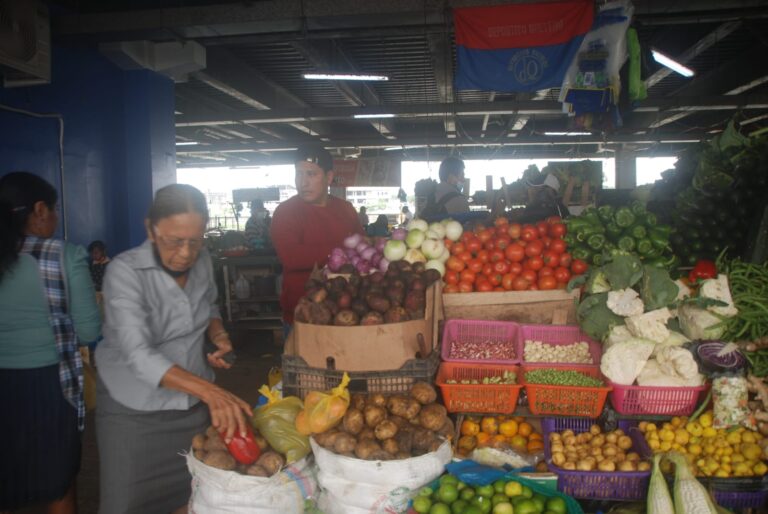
(657, 289)
(624, 270)
(595, 318)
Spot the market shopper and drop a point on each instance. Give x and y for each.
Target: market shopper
(543, 201)
(307, 226)
(47, 308)
(379, 228)
(97, 250)
(449, 193)
(257, 226)
(363, 215)
(155, 389)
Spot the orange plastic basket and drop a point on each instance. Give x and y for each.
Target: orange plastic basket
(479, 398)
(558, 400)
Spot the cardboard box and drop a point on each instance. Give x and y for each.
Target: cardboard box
(369, 348)
(556, 307)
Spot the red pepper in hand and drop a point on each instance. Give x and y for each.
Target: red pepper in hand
(244, 449)
(702, 271)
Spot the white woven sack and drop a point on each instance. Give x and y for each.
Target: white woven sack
(356, 486)
(215, 491)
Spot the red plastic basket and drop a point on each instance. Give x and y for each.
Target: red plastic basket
(557, 336)
(459, 331)
(480, 398)
(661, 401)
(557, 400)
(596, 485)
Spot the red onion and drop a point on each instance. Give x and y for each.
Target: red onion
(718, 355)
(368, 253)
(355, 260)
(338, 251)
(363, 267)
(383, 264)
(399, 234)
(353, 240)
(336, 261)
(376, 259)
(380, 242)
(350, 252)
(361, 246)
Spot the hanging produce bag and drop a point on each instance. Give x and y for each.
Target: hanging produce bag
(276, 421)
(323, 411)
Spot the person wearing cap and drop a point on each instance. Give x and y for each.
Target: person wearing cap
(257, 226)
(449, 192)
(543, 201)
(306, 227)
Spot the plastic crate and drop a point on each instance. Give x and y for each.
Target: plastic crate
(458, 331)
(299, 379)
(557, 400)
(557, 336)
(660, 401)
(479, 398)
(742, 499)
(597, 485)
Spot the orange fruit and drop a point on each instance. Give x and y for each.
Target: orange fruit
(489, 425)
(498, 439)
(519, 419)
(508, 428)
(483, 439)
(469, 427)
(535, 446)
(518, 442)
(535, 437)
(467, 443)
(525, 429)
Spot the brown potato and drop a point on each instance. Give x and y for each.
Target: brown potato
(256, 470)
(377, 399)
(404, 440)
(402, 455)
(397, 405)
(214, 444)
(358, 401)
(353, 421)
(199, 454)
(198, 441)
(385, 430)
(624, 442)
(374, 415)
(434, 445)
(390, 446)
(413, 409)
(271, 461)
(344, 443)
(424, 393)
(220, 459)
(261, 441)
(433, 416)
(380, 455)
(327, 439)
(399, 421)
(447, 431)
(211, 432)
(422, 439)
(365, 448)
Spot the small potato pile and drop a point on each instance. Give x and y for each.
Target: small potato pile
(210, 449)
(595, 451)
(377, 427)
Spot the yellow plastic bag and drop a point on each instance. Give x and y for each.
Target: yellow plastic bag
(323, 411)
(276, 421)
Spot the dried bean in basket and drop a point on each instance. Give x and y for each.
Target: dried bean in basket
(482, 350)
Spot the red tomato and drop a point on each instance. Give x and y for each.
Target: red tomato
(455, 264)
(501, 266)
(466, 287)
(475, 266)
(495, 279)
(529, 275)
(542, 227)
(503, 241)
(496, 255)
(474, 246)
(557, 230)
(554, 219)
(501, 221)
(534, 263)
(501, 230)
(546, 283)
(465, 256)
(529, 233)
(551, 259)
(546, 272)
(467, 276)
(534, 248)
(565, 259)
(520, 284)
(451, 277)
(487, 269)
(515, 268)
(547, 241)
(467, 235)
(484, 286)
(578, 267)
(451, 288)
(507, 280)
(499, 289)
(458, 248)
(448, 243)
(490, 245)
(514, 252)
(562, 274)
(558, 245)
(482, 256)
(514, 230)
(485, 235)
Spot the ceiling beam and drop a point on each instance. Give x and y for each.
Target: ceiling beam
(700, 46)
(486, 117)
(322, 61)
(442, 66)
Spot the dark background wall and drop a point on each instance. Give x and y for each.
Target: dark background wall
(118, 142)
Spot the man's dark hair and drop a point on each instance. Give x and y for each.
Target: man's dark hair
(450, 166)
(315, 154)
(97, 245)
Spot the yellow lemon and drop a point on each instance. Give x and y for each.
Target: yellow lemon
(654, 444)
(676, 421)
(651, 427)
(667, 426)
(760, 468)
(721, 473)
(643, 426)
(694, 449)
(733, 438)
(748, 437)
(681, 436)
(751, 451)
(694, 428)
(737, 457)
(706, 419)
(667, 435)
(665, 446)
(709, 432)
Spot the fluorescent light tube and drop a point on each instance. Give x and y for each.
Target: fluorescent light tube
(344, 76)
(366, 116)
(186, 143)
(672, 64)
(567, 133)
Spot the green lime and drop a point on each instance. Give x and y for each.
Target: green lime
(440, 508)
(472, 509)
(557, 505)
(467, 493)
(499, 498)
(484, 502)
(540, 502)
(425, 491)
(449, 479)
(499, 485)
(485, 490)
(503, 508)
(527, 492)
(458, 506)
(526, 507)
(448, 493)
(513, 489)
(422, 504)
(461, 485)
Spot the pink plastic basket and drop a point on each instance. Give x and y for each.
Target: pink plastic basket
(557, 335)
(660, 401)
(457, 332)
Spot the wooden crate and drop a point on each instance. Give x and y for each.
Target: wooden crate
(557, 307)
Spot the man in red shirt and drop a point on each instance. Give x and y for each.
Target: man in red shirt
(306, 227)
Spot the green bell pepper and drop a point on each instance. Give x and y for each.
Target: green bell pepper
(659, 236)
(613, 230)
(582, 253)
(597, 259)
(644, 246)
(637, 208)
(626, 243)
(605, 212)
(638, 232)
(650, 219)
(624, 217)
(596, 241)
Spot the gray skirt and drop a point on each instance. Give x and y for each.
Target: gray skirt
(141, 469)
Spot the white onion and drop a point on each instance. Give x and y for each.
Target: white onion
(353, 240)
(395, 250)
(453, 230)
(435, 264)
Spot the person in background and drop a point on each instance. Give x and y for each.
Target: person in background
(379, 228)
(543, 201)
(449, 191)
(257, 226)
(99, 260)
(405, 216)
(308, 226)
(47, 309)
(363, 215)
(155, 387)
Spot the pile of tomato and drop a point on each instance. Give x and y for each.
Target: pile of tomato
(511, 257)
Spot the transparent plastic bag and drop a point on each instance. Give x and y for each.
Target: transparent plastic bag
(323, 411)
(276, 421)
(506, 458)
(730, 397)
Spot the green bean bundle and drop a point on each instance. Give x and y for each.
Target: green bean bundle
(749, 289)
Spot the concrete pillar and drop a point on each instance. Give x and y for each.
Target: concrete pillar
(626, 167)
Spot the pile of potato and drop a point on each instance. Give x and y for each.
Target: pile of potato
(595, 451)
(377, 427)
(210, 449)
